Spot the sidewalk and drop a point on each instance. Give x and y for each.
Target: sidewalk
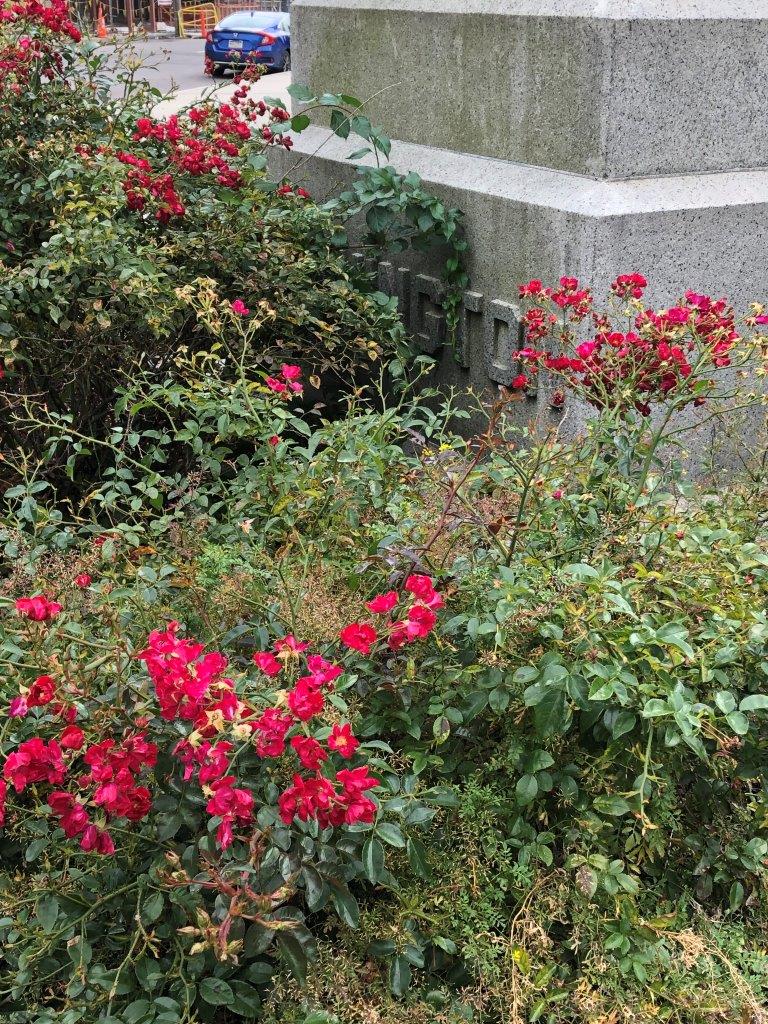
(270, 85)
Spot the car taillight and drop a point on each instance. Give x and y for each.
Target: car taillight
(267, 39)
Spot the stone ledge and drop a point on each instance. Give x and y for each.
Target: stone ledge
(607, 10)
(576, 85)
(558, 190)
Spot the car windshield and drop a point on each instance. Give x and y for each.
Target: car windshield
(249, 20)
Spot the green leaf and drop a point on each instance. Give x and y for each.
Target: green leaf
(301, 93)
(216, 992)
(294, 954)
(80, 951)
(582, 571)
(623, 723)
(315, 888)
(756, 702)
(441, 729)
(378, 219)
(373, 860)
(736, 895)
(299, 122)
(391, 834)
(551, 716)
(673, 634)
(399, 975)
(498, 699)
(526, 789)
(152, 908)
(725, 701)
(35, 848)
(417, 857)
(655, 707)
(246, 1002)
(340, 124)
(738, 722)
(614, 806)
(345, 904)
(47, 912)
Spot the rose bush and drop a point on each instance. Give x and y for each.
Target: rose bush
(187, 812)
(115, 220)
(313, 718)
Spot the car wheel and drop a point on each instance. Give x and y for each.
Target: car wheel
(286, 65)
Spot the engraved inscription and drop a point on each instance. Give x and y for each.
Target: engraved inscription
(502, 341)
(491, 327)
(470, 327)
(427, 317)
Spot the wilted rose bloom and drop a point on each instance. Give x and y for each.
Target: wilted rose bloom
(82, 581)
(41, 692)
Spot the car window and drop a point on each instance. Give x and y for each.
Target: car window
(284, 25)
(245, 21)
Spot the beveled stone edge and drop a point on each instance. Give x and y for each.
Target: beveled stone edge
(542, 186)
(598, 10)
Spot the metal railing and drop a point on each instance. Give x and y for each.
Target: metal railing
(196, 19)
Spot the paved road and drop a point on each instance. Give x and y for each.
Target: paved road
(177, 64)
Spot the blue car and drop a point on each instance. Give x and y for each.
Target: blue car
(248, 37)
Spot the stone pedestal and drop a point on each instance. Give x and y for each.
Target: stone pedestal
(580, 137)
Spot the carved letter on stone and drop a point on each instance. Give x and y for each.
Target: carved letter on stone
(469, 321)
(427, 317)
(502, 341)
(398, 283)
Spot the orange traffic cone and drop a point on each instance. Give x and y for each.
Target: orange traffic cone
(101, 25)
(203, 25)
